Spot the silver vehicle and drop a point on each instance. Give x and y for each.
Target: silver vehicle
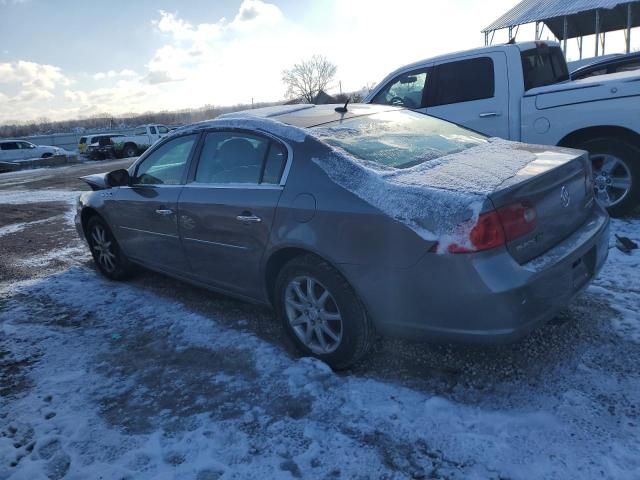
(350, 221)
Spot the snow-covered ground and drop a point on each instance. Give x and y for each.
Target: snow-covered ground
(116, 380)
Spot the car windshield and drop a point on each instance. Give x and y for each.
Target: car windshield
(399, 138)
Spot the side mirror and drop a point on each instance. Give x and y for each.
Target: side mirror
(118, 178)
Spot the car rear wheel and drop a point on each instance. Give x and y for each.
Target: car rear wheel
(105, 250)
(130, 151)
(321, 313)
(616, 173)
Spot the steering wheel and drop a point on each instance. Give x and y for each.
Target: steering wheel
(403, 102)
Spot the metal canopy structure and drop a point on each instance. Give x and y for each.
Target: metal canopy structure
(571, 19)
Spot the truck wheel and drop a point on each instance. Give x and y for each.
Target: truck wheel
(130, 151)
(616, 173)
(321, 313)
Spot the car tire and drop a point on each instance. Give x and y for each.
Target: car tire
(308, 313)
(47, 155)
(107, 255)
(625, 159)
(130, 151)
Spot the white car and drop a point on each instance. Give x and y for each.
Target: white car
(522, 92)
(16, 150)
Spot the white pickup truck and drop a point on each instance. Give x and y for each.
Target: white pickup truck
(522, 92)
(143, 137)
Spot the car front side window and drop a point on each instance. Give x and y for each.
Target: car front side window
(233, 157)
(166, 165)
(406, 90)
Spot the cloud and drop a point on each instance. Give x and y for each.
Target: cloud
(157, 77)
(112, 74)
(254, 12)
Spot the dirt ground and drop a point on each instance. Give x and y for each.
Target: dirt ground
(38, 246)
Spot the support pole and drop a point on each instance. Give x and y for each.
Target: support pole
(564, 36)
(604, 39)
(628, 32)
(537, 31)
(510, 33)
(597, 32)
(580, 46)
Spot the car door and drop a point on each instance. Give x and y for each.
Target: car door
(473, 92)
(146, 212)
(29, 150)
(227, 209)
(10, 151)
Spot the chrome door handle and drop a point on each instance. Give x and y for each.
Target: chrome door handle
(248, 219)
(489, 114)
(164, 211)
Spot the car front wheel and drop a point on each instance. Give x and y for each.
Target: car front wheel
(321, 313)
(105, 250)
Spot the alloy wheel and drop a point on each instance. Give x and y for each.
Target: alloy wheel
(103, 248)
(611, 179)
(313, 315)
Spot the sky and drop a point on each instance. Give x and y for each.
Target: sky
(72, 58)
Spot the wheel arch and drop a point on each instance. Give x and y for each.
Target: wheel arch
(605, 131)
(280, 258)
(86, 214)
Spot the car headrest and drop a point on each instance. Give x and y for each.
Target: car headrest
(237, 152)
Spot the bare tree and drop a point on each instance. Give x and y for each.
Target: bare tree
(307, 78)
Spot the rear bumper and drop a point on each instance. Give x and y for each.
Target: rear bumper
(486, 297)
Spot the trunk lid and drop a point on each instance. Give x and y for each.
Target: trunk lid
(557, 184)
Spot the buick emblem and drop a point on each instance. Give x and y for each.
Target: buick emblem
(565, 198)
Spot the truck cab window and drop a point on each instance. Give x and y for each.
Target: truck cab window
(463, 81)
(543, 66)
(405, 90)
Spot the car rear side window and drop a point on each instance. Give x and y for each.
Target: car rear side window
(463, 81)
(152, 130)
(9, 146)
(274, 164)
(83, 140)
(406, 90)
(238, 157)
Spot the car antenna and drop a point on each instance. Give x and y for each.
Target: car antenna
(344, 108)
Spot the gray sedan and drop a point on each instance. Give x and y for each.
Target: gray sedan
(355, 221)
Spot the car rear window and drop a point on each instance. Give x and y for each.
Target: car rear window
(543, 66)
(398, 138)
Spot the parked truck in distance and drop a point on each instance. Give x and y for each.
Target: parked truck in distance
(522, 92)
(143, 137)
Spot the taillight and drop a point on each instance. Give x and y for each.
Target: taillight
(487, 233)
(497, 227)
(517, 220)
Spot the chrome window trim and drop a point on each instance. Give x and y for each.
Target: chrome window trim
(251, 186)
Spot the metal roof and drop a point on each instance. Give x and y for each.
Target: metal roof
(580, 15)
